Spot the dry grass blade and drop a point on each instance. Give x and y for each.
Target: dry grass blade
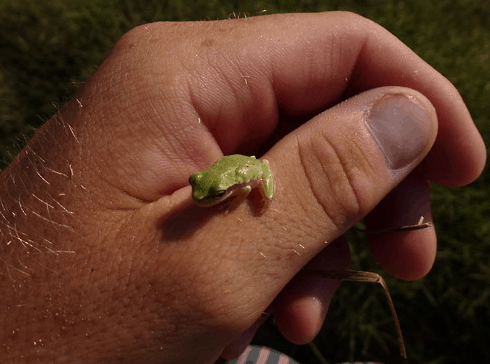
(419, 225)
(360, 276)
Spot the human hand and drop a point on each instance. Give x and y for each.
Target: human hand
(152, 276)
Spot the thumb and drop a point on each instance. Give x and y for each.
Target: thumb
(352, 155)
(331, 172)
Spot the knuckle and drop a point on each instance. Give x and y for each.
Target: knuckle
(341, 178)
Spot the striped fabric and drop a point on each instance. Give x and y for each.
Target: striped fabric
(265, 355)
(262, 355)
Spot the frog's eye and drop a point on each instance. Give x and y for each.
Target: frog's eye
(220, 193)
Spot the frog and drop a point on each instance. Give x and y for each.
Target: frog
(232, 178)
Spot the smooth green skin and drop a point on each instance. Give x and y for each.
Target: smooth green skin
(232, 175)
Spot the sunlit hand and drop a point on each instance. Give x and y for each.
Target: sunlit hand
(105, 257)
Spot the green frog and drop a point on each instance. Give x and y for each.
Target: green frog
(233, 176)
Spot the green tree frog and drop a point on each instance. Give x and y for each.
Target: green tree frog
(233, 176)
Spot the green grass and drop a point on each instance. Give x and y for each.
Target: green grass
(47, 49)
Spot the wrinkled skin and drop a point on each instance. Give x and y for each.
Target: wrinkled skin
(106, 259)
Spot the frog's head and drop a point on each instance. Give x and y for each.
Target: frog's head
(205, 190)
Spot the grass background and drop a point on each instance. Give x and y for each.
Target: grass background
(47, 49)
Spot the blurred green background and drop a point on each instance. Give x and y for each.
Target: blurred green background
(48, 48)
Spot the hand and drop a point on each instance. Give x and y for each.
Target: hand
(105, 257)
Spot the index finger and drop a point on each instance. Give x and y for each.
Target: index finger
(333, 56)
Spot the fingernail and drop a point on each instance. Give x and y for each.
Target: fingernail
(400, 127)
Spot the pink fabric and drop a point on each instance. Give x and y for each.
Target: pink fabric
(266, 355)
(263, 356)
(243, 357)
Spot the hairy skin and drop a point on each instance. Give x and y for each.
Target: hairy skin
(104, 258)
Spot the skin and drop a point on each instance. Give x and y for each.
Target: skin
(106, 258)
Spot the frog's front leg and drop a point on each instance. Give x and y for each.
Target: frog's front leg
(256, 188)
(236, 197)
